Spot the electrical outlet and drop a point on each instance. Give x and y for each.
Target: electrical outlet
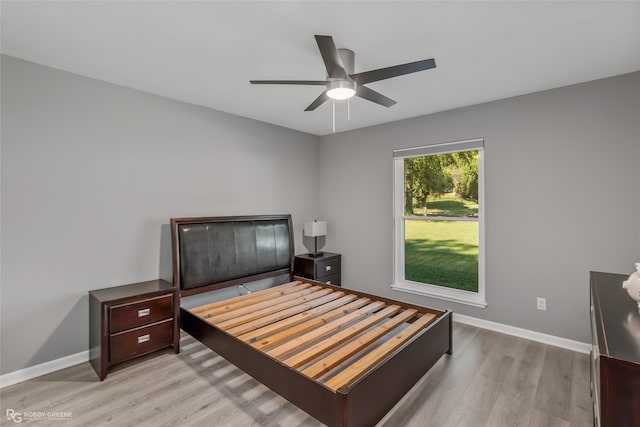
(542, 304)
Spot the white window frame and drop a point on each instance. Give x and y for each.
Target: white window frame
(476, 299)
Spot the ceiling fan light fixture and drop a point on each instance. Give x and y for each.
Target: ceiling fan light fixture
(343, 83)
(341, 89)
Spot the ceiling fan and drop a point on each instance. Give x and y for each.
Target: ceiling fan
(343, 83)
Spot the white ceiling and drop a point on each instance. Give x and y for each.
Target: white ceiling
(205, 53)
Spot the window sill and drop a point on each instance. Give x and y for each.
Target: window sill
(453, 295)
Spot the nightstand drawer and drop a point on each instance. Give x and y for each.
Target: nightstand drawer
(127, 316)
(333, 279)
(327, 267)
(136, 342)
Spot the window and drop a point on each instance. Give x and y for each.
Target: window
(438, 236)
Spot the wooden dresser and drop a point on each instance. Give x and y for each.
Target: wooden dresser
(129, 321)
(615, 361)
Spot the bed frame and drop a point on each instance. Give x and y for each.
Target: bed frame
(211, 253)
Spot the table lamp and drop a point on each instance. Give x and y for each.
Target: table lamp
(314, 229)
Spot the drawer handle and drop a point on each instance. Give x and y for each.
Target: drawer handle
(144, 312)
(143, 338)
(328, 267)
(328, 282)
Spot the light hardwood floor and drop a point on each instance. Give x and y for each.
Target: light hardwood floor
(491, 380)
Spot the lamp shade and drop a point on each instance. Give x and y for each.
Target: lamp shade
(315, 228)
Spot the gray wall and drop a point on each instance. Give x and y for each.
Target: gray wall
(562, 197)
(91, 172)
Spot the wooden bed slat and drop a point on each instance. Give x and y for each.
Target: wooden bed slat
(297, 319)
(247, 299)
(216, 317)
(276, 339)
(332, 360)
(283, 314)
(226, 312)
(257, 314)
(309, 337)
(376, 355)
(316, 350)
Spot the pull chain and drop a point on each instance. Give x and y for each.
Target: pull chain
(349, 109)
(334, 116)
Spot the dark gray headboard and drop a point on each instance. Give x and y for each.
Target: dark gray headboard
(216, 252)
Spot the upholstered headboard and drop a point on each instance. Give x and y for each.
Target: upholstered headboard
(216, 252)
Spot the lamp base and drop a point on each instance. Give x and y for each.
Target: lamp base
(315, 254)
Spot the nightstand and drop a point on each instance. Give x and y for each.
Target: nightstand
(325, 268)
(129, 321)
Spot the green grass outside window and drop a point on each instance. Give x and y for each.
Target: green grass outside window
(443, 253)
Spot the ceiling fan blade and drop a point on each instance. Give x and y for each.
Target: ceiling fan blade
(289, 82)
(317, 102)
(373, 96)
(395, 71)
(331, 57)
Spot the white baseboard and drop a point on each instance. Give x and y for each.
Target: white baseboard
(578, 346)
(25, 374)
